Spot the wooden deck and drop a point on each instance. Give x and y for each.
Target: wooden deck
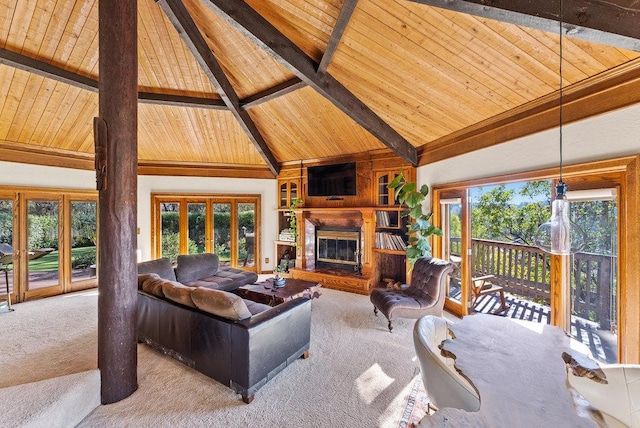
(602, 343)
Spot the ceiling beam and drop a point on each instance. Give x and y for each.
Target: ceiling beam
(186, 27)
(250, 23)
(336, 35)
(600, 21)
(31, 65)
(181, 101)
(272, 93)
(49, 71)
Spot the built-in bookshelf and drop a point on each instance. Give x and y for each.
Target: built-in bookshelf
(390, 230)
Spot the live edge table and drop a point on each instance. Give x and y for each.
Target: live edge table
(517, 367)
(263, 292)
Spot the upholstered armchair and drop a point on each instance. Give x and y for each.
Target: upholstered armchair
(424, 296)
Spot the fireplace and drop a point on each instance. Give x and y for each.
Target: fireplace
(338, 248)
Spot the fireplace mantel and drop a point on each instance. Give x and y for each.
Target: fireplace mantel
(309, 219)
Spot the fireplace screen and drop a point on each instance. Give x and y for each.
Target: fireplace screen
(338, 247)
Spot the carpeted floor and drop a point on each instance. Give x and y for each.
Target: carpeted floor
(358, 375)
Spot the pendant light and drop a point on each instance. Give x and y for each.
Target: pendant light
(560, 235)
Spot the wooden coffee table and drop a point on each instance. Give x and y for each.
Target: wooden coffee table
(263, 292)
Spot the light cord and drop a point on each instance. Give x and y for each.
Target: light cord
(560, 21)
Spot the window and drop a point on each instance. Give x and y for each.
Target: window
(222, 224)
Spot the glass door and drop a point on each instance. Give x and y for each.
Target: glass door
(6, 246)
(222, 232)
(453, 248)
(170, 230)
(197, 213)
(594, 273)
(84, 237)
(246, 213)
(41, 254)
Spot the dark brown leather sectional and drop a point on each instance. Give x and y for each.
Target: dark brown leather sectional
(243, 354)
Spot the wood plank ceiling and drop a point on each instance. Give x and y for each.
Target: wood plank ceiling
(303, 80)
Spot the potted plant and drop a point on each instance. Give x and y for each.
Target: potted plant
(419, 228)
(293, 226)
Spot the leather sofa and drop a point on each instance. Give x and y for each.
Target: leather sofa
(239, 343)
(199, 270)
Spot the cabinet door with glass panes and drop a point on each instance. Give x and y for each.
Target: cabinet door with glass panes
(385, 196)
(289, 190)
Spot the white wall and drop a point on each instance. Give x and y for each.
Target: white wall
(610, 135)
(267, 188)
(17, 174)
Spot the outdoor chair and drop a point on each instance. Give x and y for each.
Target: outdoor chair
(424, 296)
(481, 286)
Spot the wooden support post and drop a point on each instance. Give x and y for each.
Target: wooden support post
(117, 184)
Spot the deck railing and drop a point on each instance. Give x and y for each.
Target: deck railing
(524, 270)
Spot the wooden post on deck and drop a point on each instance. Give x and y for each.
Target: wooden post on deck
(115, 133)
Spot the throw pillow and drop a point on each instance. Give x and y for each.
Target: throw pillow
(153, 286)
(162, 267)
(143, 277)
(192, 267)
(220, 303)
(178, 293)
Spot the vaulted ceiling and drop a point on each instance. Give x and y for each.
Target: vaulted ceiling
(231, 87)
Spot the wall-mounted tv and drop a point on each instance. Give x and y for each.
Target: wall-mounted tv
(332, 180)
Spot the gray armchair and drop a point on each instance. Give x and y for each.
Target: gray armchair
(424, 296)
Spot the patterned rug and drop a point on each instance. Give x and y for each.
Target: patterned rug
(417, 403)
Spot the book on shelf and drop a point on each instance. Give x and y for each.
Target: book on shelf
(390, 241)
(382, 219)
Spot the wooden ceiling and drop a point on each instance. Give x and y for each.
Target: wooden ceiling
(244, 88)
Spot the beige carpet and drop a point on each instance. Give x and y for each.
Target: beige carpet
(358, 375)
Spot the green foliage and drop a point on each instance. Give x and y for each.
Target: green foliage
(43, 231)
(83, 259)
(420, 228)
(171, 246)
(83, 224)
(292, 218)
(496, 217)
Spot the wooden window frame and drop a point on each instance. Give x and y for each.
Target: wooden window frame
(186, 198)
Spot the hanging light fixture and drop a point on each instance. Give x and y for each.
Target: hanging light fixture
(560, 235)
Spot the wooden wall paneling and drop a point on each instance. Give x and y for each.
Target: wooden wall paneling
(77, 49)
(316, 123)
(248, 68)
(21, 16)
(55, 20)
(78, 122)
(307, 23)
(449, 74)
(48, 94)
(26, 101)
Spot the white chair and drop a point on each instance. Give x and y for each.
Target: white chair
(444, 385)
(619, 399)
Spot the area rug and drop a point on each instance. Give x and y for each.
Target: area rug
(416, 406)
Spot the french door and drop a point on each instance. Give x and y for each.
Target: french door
(225, 225)
(47, 242)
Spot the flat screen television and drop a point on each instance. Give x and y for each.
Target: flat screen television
(332, 180)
